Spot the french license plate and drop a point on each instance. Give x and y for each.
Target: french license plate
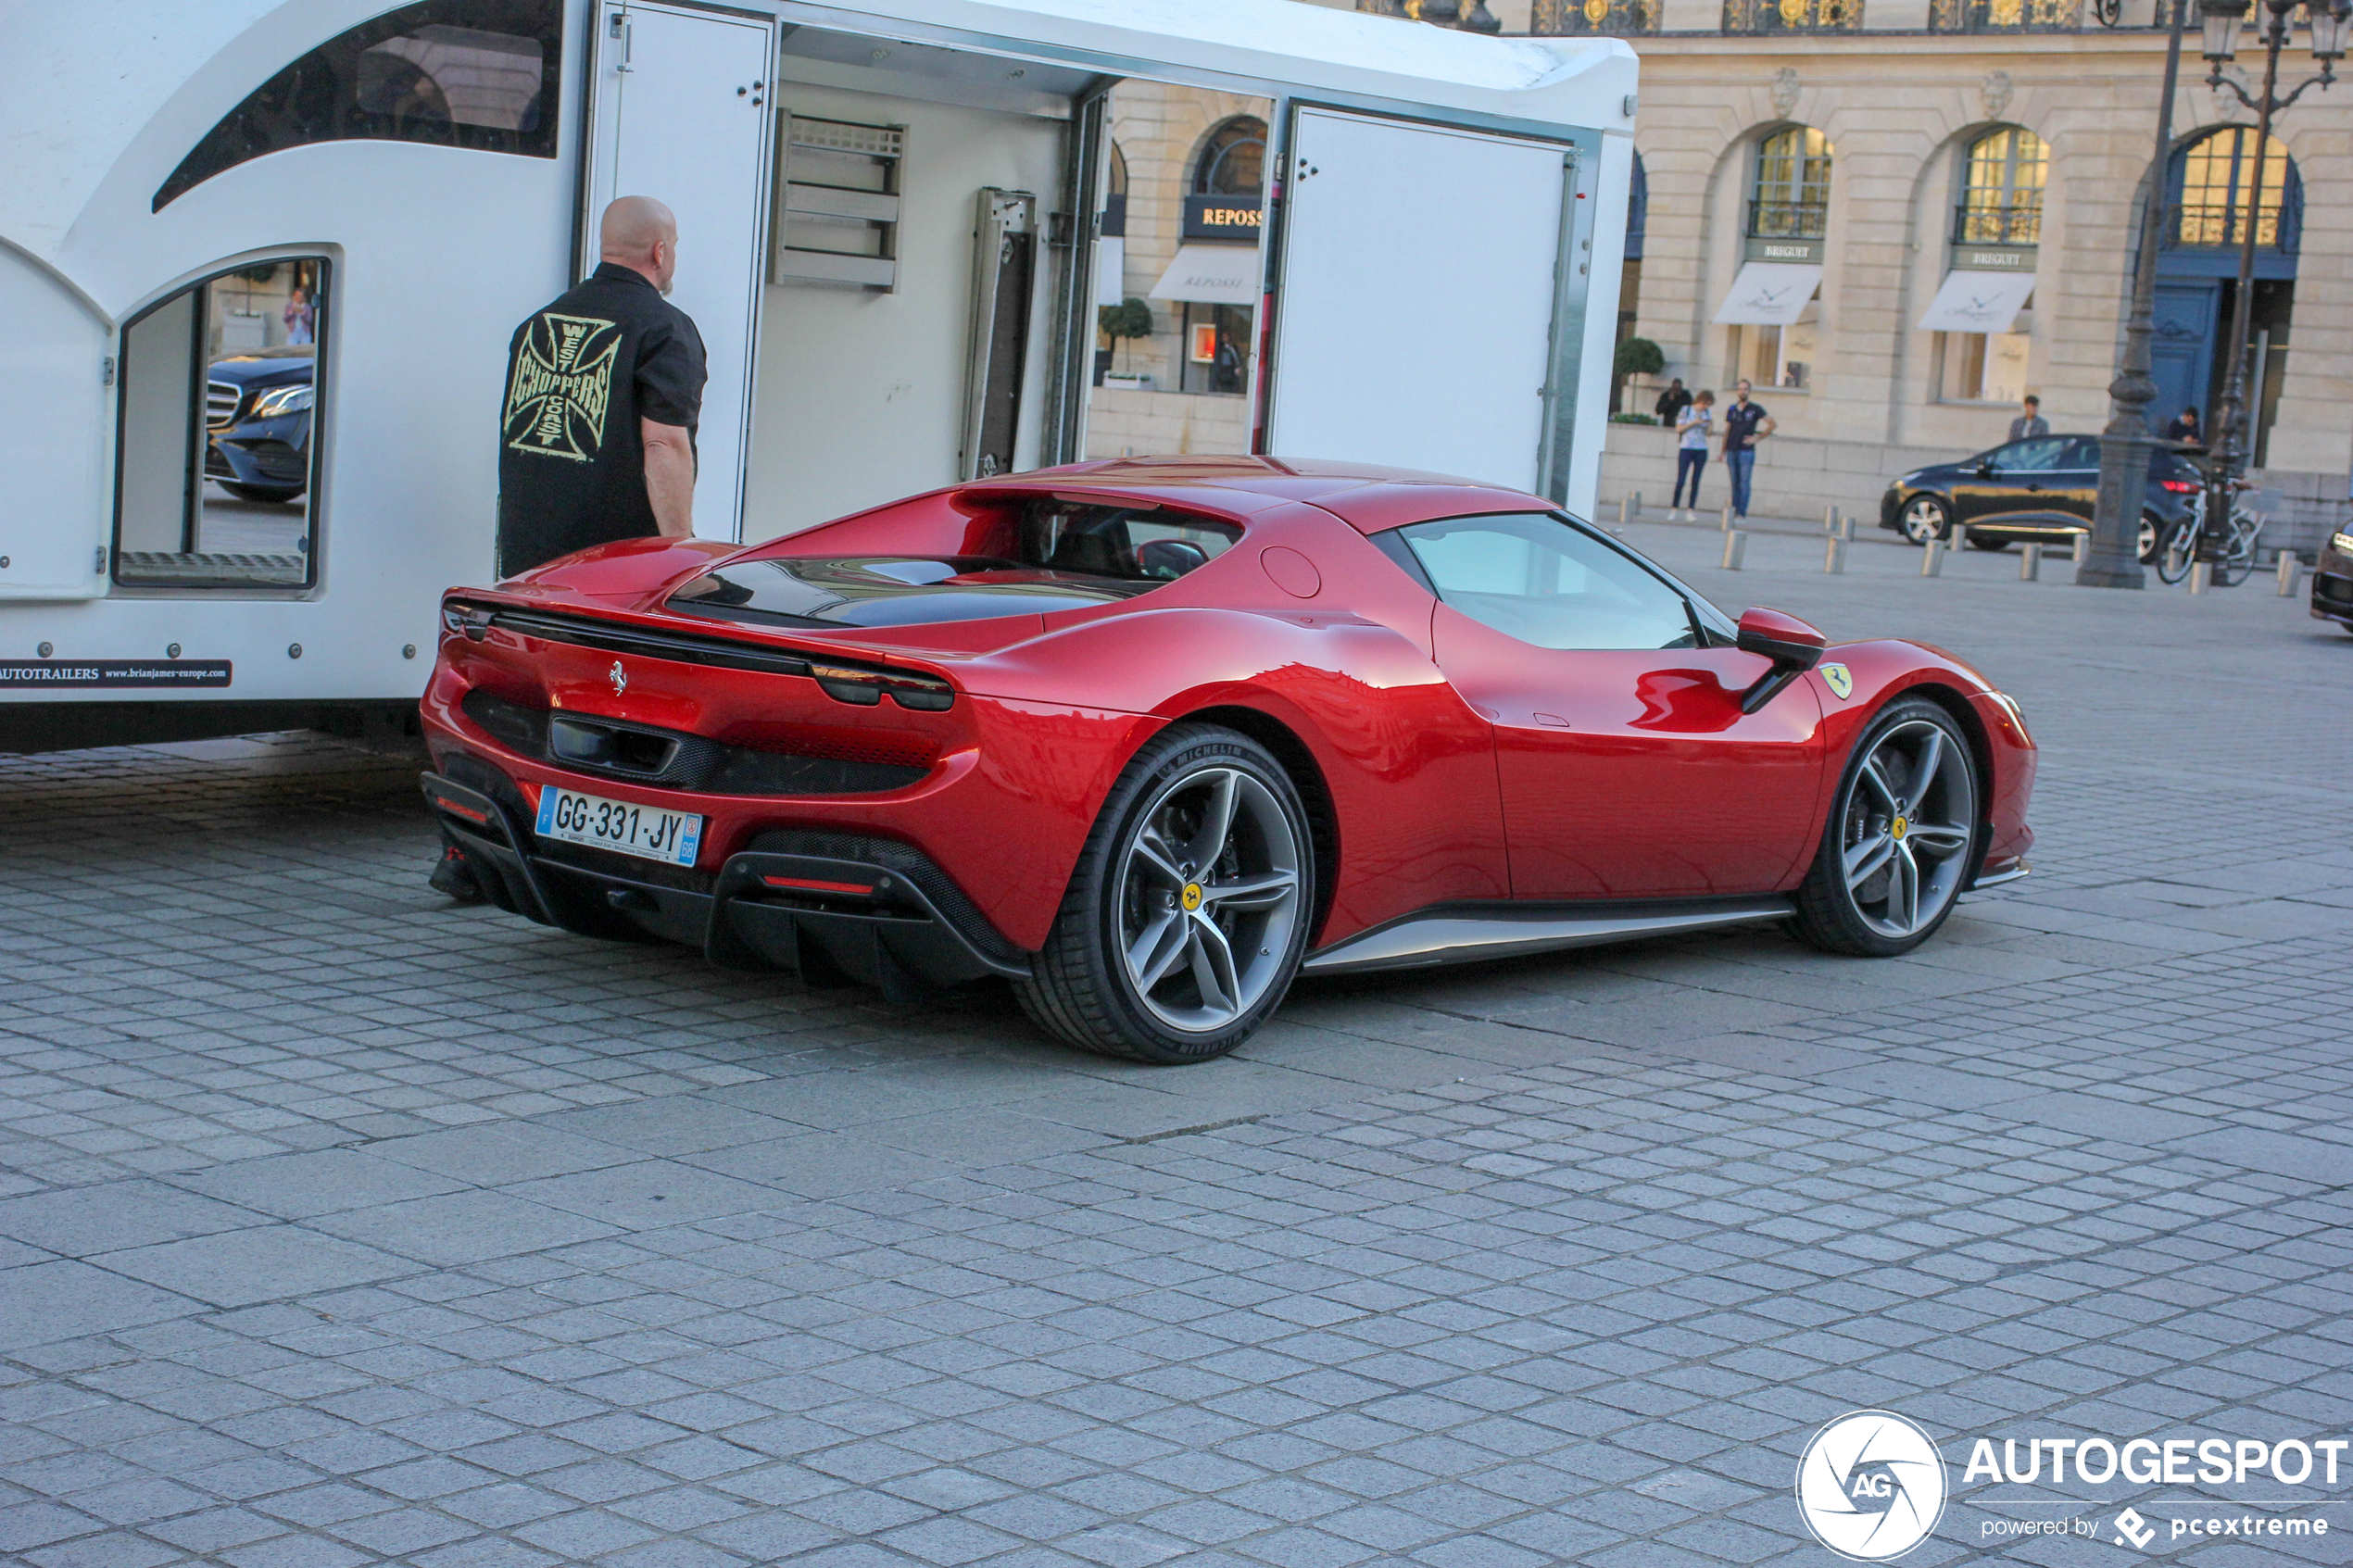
(647, 831)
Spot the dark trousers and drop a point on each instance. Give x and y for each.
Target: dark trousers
(1689, 462)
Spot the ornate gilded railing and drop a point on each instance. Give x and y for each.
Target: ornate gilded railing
(1569, 17)
(2005, 16)
(1792, 15)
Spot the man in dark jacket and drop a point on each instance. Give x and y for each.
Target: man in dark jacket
(1671, 402)
(604, 388)
(597, 444)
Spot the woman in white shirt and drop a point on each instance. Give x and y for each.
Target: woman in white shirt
(1691, 428)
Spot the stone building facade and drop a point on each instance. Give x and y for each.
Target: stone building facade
(1903, 93)
(1891, 144)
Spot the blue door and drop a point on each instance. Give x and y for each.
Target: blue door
(2182, 355)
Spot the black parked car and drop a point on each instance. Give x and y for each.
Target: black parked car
(256, 415)
(2042, 489)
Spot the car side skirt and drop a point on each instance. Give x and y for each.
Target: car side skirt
(1472, 933)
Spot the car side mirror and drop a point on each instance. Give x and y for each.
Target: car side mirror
(1985, 471)
(1793, 645)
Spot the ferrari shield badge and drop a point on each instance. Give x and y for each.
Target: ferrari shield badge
(1840, 683)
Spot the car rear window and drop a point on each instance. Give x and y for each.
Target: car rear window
(1131, 544)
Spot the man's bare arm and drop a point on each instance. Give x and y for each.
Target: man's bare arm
(670, 478)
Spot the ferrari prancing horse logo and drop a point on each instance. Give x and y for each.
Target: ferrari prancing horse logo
(619, 677)
(562, 385)
(1840, 683)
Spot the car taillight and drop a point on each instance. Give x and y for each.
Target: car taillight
(2182, 486)
(470, 619)
(865, 687)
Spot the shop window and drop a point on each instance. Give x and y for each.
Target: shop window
(1776, 357)
(2001, 177)
(217, 455)
(482, 74)
(1217, 348)
(1982, 367)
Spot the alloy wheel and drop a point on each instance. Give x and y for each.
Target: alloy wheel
(1905, 837)
(1923, 518)
(1207, 899)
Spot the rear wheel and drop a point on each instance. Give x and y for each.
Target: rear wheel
(1186, 916)
(1897, 847)
(1925, 518)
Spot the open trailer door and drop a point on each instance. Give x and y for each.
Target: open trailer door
(679, 110)
(52, 525)
(1419, 295)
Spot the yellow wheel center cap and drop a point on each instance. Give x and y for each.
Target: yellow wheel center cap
(1193, 897)
(1897, 828)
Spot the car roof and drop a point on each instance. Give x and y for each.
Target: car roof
(1369, 496)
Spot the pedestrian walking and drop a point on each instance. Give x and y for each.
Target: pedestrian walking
(1694, 425)
(604, 388)
(301, 317)
(1745, 424)
(1671, 403)
(2030, 422)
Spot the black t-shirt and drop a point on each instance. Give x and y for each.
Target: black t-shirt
(580, 376)
(1671, 402)
(1740, 425)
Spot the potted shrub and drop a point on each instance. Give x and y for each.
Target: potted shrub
(1130, 320)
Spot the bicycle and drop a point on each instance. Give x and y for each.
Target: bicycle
(2234, 557)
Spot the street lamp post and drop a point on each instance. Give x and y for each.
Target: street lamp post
(2114, 559)
(2221, 20)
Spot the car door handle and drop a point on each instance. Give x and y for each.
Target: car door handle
(1555, 721)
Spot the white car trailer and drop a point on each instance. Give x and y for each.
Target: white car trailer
(260, 260)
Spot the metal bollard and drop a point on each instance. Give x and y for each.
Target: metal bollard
(2082, 547)
(2029, 565)
(1735, 549)
(1638, 505)
(1625, 506)
(1835, 556)
(1728, 516)
(2290, 568)
(2201, 576)
(1932, 558)
(1830, 520)
(1845, 527)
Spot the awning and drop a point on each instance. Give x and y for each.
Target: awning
(1978, 301)
(1211, 275)
(1768, 294)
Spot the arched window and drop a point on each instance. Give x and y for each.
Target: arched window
(1790, 197)
(1115, 196)
(1233, 159)
(2002, 189)
(2213, 179)
(456, 73)
(1638, 211)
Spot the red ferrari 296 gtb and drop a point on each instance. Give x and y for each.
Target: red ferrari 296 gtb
(1151, 737)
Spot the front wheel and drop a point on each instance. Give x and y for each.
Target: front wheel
(1925, 518)
(1188, 914)
(1897, 847)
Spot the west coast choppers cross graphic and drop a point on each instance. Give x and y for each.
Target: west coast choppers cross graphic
(563, 382)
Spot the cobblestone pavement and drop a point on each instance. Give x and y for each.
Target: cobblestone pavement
(344, 1226)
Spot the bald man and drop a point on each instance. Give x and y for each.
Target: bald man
(603, 390)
